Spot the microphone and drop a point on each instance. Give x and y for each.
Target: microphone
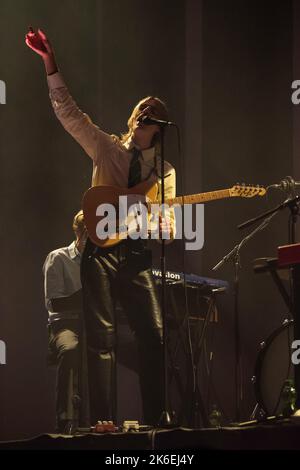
(287, 184)
(149, 121)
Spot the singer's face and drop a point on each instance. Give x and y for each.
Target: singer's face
(142, 134)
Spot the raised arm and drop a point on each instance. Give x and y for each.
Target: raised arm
(94, 141)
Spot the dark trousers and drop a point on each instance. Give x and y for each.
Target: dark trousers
(122, 272)
(63, 344)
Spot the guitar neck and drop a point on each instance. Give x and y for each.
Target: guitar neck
(199, 198)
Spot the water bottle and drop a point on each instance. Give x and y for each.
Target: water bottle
(215, 417)
(288, 397)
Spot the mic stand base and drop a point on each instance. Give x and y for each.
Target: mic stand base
(167, 420)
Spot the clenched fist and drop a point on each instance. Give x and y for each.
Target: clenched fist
(38, 42)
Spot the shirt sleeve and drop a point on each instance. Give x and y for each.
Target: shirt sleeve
(93, 140)
(54, 285)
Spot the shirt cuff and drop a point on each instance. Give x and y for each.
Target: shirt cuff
(55, 81)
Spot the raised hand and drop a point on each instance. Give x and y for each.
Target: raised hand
(38, 42)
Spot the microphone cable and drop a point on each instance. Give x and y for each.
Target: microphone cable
(186, 319)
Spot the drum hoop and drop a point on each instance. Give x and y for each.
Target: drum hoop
(259, 362)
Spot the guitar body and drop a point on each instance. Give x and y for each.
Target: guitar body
(108, 224)
(99, 195)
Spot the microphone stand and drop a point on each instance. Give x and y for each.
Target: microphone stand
(234, 255)
(288, 203)
(291, 190)
(166, 418)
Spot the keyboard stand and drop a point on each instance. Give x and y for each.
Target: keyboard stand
(192, 409)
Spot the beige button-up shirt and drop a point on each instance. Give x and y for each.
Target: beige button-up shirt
(111, 158)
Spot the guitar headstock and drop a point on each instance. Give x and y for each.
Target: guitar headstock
(242, 190)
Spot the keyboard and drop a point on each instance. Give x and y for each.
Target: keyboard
(195, 279)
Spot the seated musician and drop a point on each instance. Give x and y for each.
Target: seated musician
(63, 298)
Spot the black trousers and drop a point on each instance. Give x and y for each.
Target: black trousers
(63, 345)
(121, 273)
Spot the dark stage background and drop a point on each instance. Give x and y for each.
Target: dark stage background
(225, 68)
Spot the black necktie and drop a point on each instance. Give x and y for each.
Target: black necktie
(135, 169)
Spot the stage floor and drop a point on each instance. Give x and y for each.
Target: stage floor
(284, 435)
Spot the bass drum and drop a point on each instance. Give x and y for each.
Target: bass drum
(273, 367)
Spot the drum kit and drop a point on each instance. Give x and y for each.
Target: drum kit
(276, 378)
(274, 368)
(273, 365)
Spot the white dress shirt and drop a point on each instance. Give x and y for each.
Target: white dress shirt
(62, 278)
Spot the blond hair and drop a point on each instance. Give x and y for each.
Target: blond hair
(162, 113)
(78, 223)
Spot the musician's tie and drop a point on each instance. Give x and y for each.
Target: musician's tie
(135, 169)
